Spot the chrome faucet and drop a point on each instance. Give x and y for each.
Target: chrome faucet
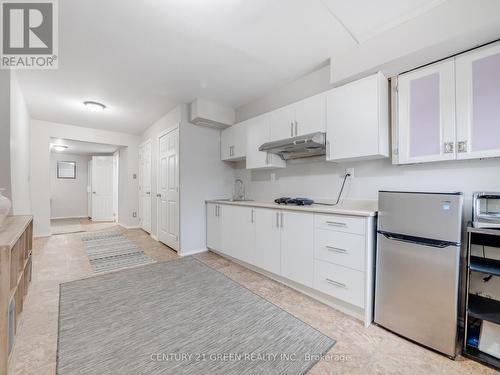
(239, 190)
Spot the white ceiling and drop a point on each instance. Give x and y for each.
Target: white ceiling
(141, 58)
(82, 148)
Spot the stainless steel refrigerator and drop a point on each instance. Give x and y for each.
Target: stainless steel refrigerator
(418, 260)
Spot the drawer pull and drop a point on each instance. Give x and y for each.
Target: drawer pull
(336, 283)
(336, 249)
(336, 224)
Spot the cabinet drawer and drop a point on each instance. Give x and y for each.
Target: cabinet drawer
(346, 249)
(340, 282)
(340, 223)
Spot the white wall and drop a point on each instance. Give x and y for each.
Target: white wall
(19, 150)
(42, 131)
(202, 174)
(5, 177)
(68, 197)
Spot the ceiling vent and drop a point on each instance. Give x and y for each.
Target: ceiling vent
(211, 114)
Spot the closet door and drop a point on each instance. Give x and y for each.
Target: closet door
(426, 114)
(478, 103)
(102, 188)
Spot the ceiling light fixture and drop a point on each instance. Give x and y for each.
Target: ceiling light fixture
(94, 106)
(59, 148)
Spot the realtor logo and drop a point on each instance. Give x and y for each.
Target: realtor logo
(29, 34)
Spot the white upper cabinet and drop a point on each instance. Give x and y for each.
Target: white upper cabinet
(304, 117)
(358, 120)
(258, 133)
(310, 115)
(426, 114)
(282, 123)
(478, 103)
(233, 142)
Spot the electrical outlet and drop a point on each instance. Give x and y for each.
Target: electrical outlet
(273, 177)
(134, 176)
(350, 171)
(134, 214)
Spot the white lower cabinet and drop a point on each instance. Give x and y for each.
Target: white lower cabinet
(238, 232)
(297, 240)
(213, 226)
(340, 282)
(332, 255)
(268, 240)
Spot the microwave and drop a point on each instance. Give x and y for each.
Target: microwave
(486, 210)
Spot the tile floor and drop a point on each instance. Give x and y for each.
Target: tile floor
(358, 350)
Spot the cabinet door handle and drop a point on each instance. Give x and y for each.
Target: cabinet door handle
(449, 148)
(281, 215)
(336, 283)
(462, 146)
(291, 129)
(217, 210)
(296, 128)
(336, 249)
(277, 219)
(251, 216)
(267, 158)
(336, 224)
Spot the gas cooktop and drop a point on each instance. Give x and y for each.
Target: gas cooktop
(294, 201)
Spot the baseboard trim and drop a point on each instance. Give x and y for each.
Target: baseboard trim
(192, 252)
(129, 226)
(68, 217)
(154, 237)
(42, 235)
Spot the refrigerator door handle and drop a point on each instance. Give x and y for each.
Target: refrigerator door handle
(417, 240)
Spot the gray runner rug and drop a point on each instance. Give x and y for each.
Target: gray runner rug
(111, 250)
(178, 317)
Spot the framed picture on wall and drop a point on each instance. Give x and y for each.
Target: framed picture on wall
(66, 169)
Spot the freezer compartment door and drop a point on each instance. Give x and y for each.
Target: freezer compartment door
(426, 215)
(416, 292)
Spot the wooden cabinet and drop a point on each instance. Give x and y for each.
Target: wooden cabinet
(426, 114)
(268, 240)
(16, 242)
(238, 232)
(478, 103)
(233, 142)
(258, 134)
(297, 259)
(304, 117)
(358, 120)
(213, 226)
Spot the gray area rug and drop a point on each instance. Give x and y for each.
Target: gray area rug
(178, 317)
(111, 250)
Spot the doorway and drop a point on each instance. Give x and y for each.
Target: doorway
(83, 185)
(145, 185)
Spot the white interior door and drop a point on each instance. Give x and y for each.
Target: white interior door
(145, 186)
(102, 188)
(168, 189)
(89, 189)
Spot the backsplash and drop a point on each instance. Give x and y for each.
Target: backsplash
(321, 180)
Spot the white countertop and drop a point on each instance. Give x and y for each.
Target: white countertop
(352, 207)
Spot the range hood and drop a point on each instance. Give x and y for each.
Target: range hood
(303, 146)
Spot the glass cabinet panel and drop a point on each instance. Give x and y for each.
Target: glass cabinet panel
(486, 103)
(425, 123)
